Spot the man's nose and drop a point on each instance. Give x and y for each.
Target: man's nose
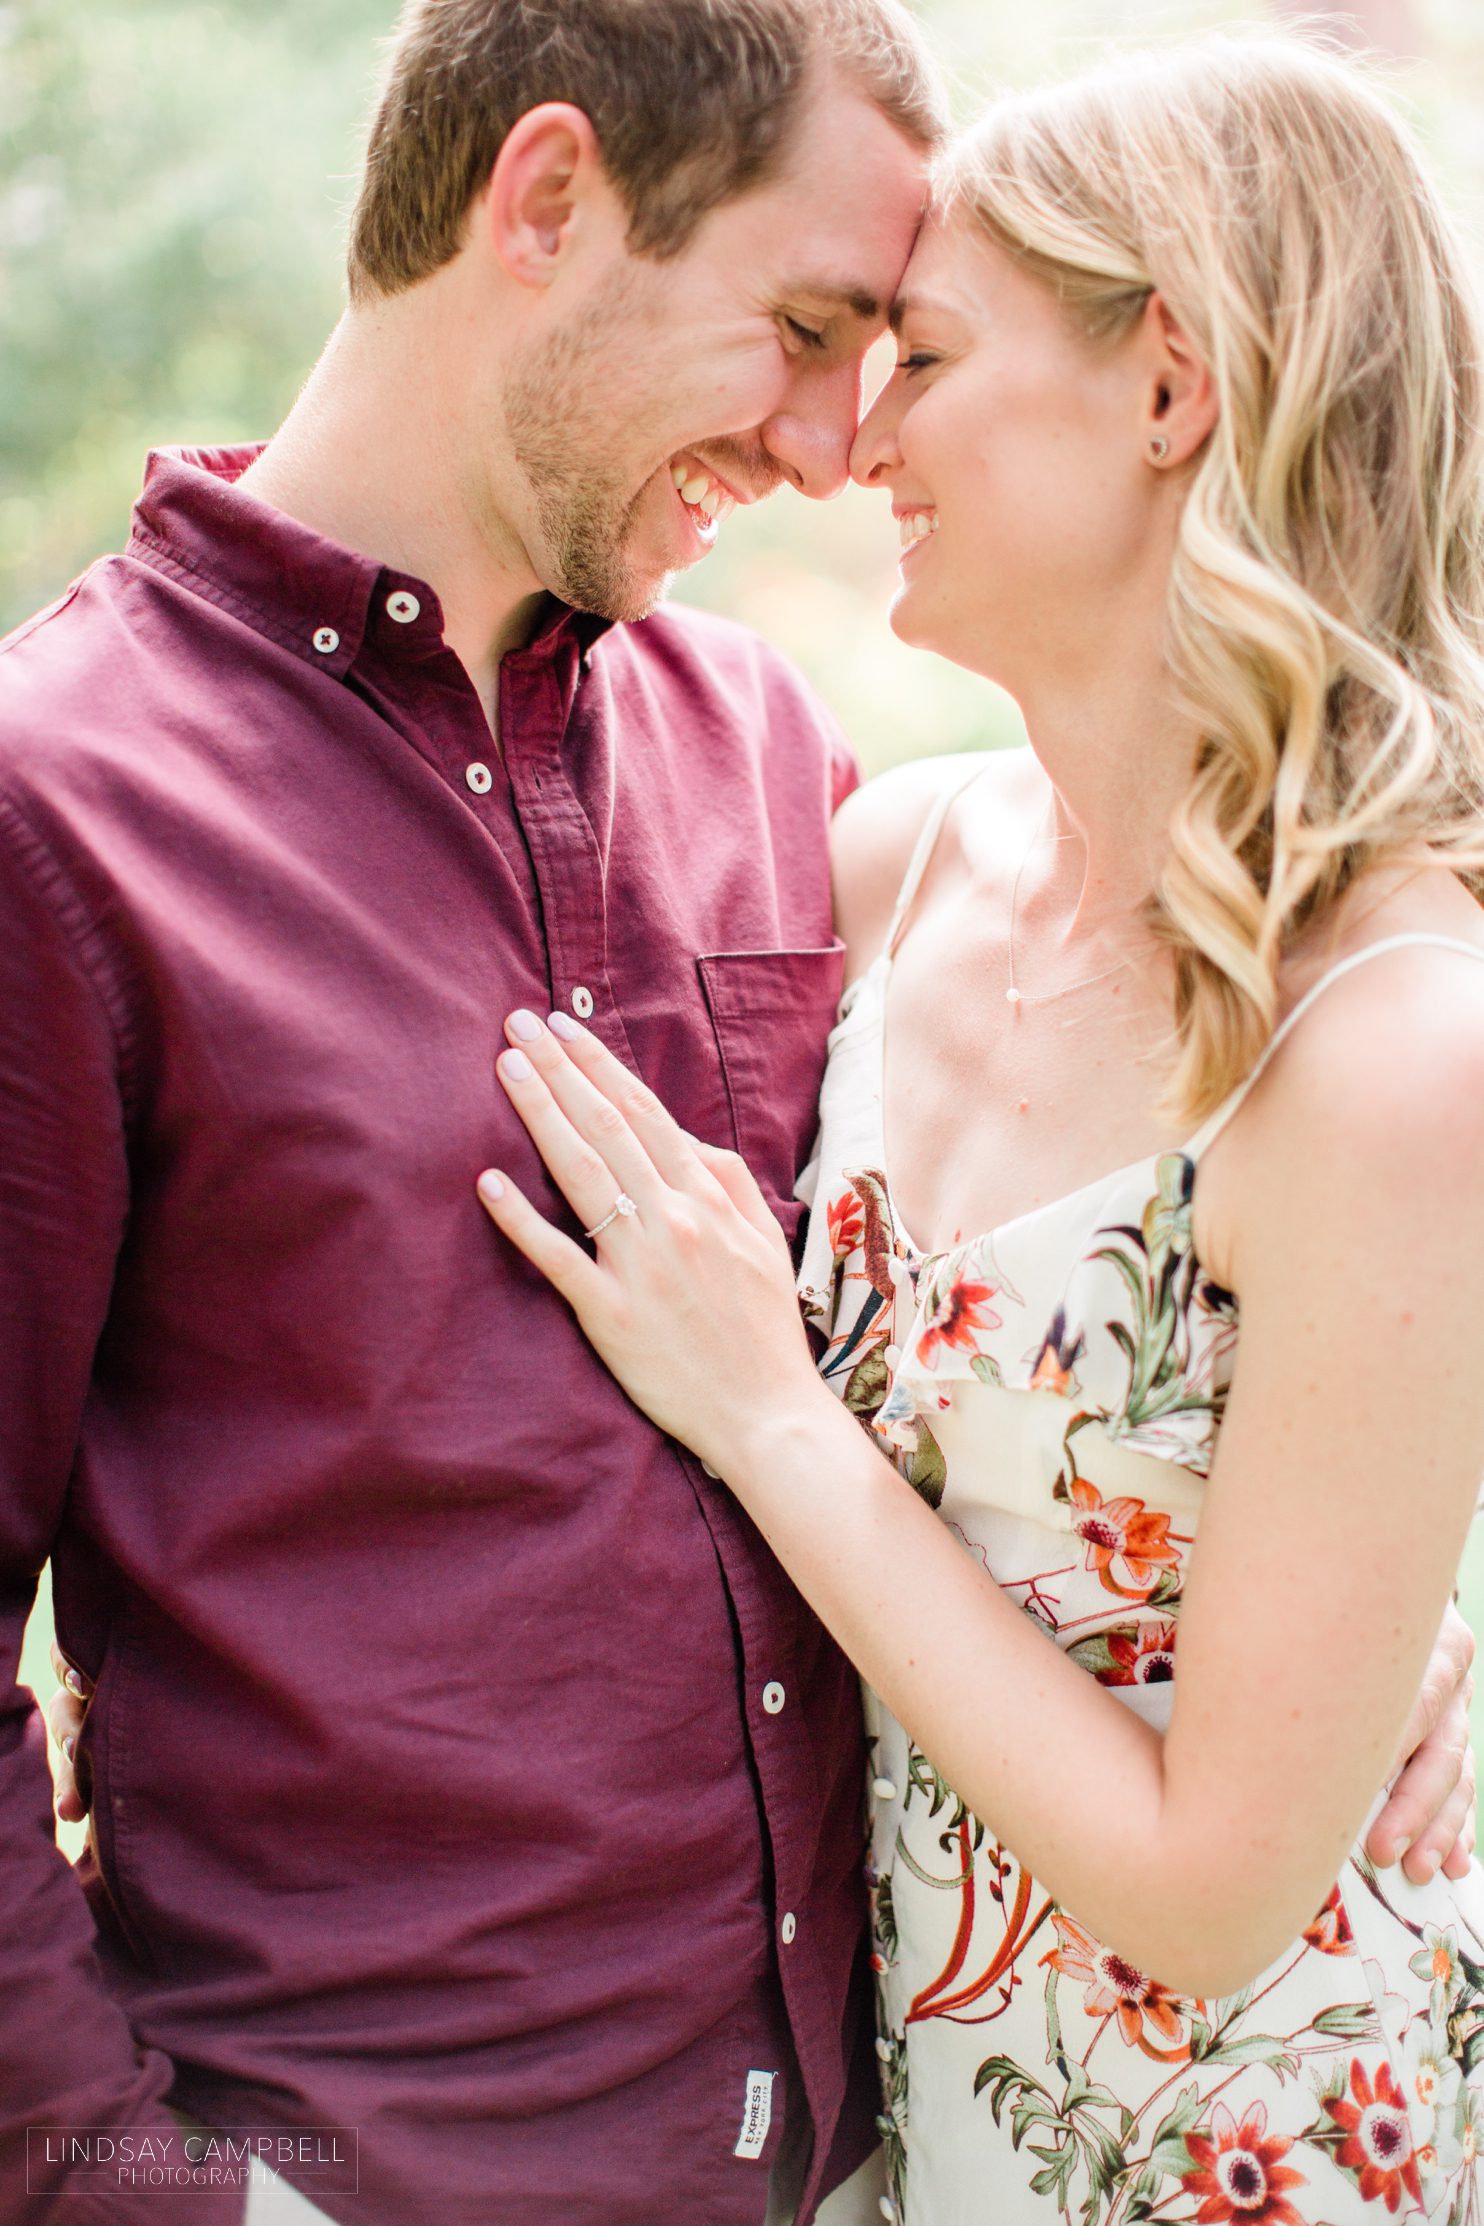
(810, 437)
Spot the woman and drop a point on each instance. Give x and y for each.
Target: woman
(1184, 439)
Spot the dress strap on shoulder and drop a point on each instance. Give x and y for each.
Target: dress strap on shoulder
(927, 843)
(1217, 1121)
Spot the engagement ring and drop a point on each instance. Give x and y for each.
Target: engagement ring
(623, 1206)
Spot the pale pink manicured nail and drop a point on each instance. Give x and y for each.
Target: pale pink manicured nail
(490, 1185)
(69, 1745)
(526, 1026)
(517, 1066)
(560, 1025)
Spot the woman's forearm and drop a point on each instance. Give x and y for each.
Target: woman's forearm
(1056, 1767)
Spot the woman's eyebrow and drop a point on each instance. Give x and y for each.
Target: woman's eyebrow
(917, 305)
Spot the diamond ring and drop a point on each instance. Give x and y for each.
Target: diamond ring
(623, 1206)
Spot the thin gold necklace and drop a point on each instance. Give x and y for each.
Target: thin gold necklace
(1015, 997)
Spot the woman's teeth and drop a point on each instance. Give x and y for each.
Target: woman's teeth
(701, 492)
(916, 525)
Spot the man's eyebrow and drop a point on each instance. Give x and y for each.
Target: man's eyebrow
(840, 294)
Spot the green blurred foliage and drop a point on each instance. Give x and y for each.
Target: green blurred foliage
(171, 189)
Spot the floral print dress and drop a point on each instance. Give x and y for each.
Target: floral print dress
(1054, 1389)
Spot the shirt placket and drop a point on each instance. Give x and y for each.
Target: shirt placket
(538, 688)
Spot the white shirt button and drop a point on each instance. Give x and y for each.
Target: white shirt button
(327, 641)
(479, 778)
(582, 1003)
(883, 1789)
(883, 2048)
(887, 2208)
(788, 1928)
(404, 608)
(773, 1699)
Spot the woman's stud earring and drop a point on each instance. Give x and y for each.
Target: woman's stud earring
(1159, 448)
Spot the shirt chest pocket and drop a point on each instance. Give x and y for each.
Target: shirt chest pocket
(772, 1012)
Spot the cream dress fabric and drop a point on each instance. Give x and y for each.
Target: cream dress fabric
(1054, 1388)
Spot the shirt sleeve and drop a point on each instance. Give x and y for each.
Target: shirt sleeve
(845, 772)
(68, 2057)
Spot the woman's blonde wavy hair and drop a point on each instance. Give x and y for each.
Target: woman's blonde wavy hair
(1326, 612)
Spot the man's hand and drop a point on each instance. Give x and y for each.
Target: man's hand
(1431, 1810)
(65, 1712)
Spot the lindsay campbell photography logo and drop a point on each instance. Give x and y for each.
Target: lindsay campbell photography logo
(193, 2157)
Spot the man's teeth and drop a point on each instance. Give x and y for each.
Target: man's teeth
(701, 492)
(916, 525)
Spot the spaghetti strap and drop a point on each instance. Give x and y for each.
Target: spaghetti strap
(927, 843)
(1217, 1121)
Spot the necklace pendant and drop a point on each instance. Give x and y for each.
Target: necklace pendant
(1012, 995)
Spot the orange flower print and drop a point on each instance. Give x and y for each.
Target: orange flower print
(1058, 1356)
(847, 1224)
(1142, 1657)
(1127, 1545)
(959, 1315)
(1116, 1989)
(1378, 2145)
(1239, 2172)
(1330, 1931)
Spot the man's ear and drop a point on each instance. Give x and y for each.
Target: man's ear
(547, 170)
(1180, 407)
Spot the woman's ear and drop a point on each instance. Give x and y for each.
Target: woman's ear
(1180, 408)
(548, 168)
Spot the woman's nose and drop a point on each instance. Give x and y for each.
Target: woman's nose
(874, 450)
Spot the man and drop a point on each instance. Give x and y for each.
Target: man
(463, 1771)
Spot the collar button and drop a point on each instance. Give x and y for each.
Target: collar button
(404, 608)
(327, 641)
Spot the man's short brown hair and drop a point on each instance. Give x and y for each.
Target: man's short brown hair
(691, 100)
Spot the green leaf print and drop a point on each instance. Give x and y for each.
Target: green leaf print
(1349, 2021)
(1002, 2075)
(987, 1370)
(886, 1920)
(927, 1471)
(868, 1383)
(1170, 2156)
(1254, 2048)
(922, 1777)
(1055, 2180)
(1141, 2198)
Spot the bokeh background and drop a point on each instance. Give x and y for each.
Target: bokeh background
(174, 181)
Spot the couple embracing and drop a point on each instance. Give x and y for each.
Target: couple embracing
(465, 1609)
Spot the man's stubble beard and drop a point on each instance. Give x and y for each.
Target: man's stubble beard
(562, 434)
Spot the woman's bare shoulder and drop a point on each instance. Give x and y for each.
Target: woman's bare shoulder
(875, 832)
(1380, 1080)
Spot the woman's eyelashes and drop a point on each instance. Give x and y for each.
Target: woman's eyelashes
(809, 335)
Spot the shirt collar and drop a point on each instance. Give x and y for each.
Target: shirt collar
(307, 593)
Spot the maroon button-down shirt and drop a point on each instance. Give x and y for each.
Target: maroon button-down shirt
(465, 1771)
